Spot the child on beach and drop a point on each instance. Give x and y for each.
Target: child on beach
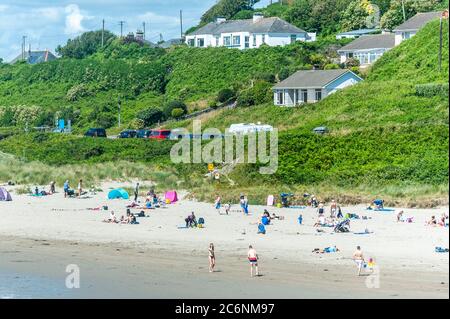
(300, 219)
(212, 257)
(80, 187)
(253, 259)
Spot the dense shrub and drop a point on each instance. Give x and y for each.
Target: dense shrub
(137, 124)
(174, 105)
(432, 89)
(225, 95)
(151, 116)
(77, 92)
(177, 113)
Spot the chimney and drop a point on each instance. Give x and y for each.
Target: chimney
(220, 20)
(257, 17)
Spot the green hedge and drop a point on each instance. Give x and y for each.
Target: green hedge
(432, 89)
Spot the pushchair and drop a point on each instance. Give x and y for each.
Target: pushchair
(342, 227)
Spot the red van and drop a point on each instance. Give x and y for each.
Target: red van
(159, 134)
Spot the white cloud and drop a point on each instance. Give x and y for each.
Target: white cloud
(74, 19)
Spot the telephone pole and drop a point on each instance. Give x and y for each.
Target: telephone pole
(121, 23)
(103, 32)
(23, 47)
(403, 10)
(119, 103)
(181, 23)
(143, 29)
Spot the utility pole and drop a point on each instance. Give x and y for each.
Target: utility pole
(121, 23)
(181, 23)
(161, 39)
(143, 29)
(103, 32)
(23, 47)
(403, 10)
(119, 106)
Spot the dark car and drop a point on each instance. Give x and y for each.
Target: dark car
(127, 134)
(96, 132)
(143, 133)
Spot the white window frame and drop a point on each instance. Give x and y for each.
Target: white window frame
(317, 93)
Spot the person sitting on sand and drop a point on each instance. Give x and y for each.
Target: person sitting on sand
(321, 221)
(432, 221)
(266, 214)
(261, 229)
(112, 218)
(443, 220)
(191, 221)
(314, 202)
(400, 217)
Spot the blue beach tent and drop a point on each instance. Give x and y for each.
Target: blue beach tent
(119, 193)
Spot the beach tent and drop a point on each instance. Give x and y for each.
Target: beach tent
(119, 193)
(5, 196)
(171, 196)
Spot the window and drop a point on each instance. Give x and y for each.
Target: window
(280, 96)
(191, 42)
(227, 41)
(406, 35)
(200, 42)
(263, 38)
(237, 40)
(318, 94)
(217, 41)
(247, 42)
(254, 40)
(350, 55)
(304, 96)
(293, 38)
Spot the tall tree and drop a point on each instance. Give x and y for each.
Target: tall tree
(227, 9)
(394, 16)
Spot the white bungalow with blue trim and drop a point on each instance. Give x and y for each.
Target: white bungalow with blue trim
(310, 86)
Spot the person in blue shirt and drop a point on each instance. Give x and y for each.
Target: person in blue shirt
(261, 229)
(300, 219)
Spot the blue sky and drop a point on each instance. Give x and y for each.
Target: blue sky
(49, 23)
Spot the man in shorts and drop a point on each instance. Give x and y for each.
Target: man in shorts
(358, 257)
(253, 259)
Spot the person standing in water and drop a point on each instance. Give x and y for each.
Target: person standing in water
(358, 257)
(253, 259)
(212, 257)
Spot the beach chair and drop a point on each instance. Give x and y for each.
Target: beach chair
(342, 227)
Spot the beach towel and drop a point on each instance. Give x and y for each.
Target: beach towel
(171, 196)
(118, 193)
(270, 200)
(297, 207)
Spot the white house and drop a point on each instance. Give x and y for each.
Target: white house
(310, 86)
(368, 48)
(245, 34)
(410, 27)
(356, 33)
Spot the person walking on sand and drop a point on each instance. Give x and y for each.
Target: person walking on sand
(136, 192)
(212, 257)
(66, 188)
(358, 257)
(80, 187)
(253, 259)
(217, 203)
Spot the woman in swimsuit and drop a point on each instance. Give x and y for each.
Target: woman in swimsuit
(212, 258)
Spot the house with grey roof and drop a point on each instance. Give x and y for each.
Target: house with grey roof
(35, 57)
(248, 33)
(410, 27)
(368, 48)
(356, 33)
(310, 86)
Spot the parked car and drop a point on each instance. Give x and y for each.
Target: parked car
(96, 132)
(143, 133)
(128, 134)
(160, 134)
(321, 130)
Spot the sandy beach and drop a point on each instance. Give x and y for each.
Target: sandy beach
(40, 236)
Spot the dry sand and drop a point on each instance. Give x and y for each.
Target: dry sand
(155, 259)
